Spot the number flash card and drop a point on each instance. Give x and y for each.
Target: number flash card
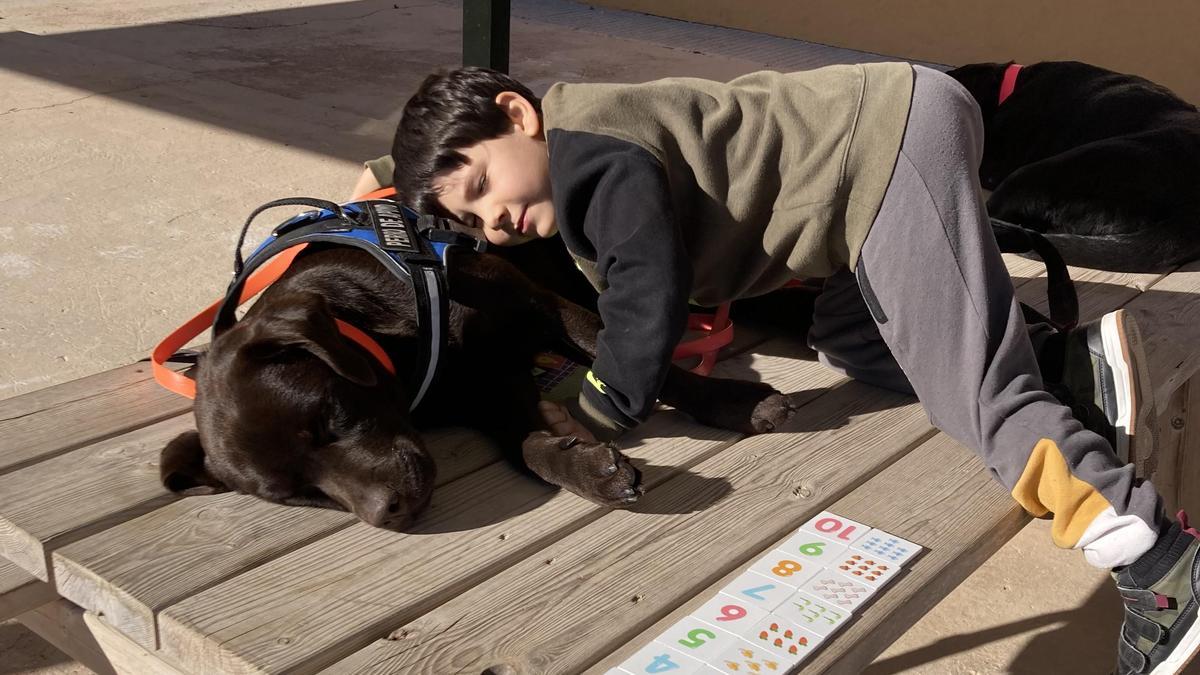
(813, 549)
(809, 613)
(888, 547)
(728, 613)
(756, 589)
(837, 590)
(785, 568)
(697, 639)
(750, 658)
(783, 639)
(869, 569)
(835, 527)
(659, 658)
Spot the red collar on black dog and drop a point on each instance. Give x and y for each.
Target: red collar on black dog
(1010, 81)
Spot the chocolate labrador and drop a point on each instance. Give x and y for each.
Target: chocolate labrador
(1104, 165)
(290, 411)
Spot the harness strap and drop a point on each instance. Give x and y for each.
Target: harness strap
(266, 275)
(1009, 83)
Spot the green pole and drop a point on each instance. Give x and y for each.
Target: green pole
(485, 34)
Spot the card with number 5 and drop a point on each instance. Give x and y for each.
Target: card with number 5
(697, 639)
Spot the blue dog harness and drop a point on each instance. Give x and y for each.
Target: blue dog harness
(412, 246)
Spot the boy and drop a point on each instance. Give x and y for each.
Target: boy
(865, 175)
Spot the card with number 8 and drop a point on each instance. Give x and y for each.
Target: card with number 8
(728, 613)
(785, 567)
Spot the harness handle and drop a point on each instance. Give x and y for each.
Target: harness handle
(335, 208)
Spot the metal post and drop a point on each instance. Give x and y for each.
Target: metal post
(485, 33)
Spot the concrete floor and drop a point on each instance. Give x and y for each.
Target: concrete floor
(137, 136)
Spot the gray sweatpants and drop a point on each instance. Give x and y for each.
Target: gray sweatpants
(930, 309)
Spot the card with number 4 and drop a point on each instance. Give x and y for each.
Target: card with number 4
(728, 613)
(697, 639)
(659, 658)
(835, 527)
(786, 568)
(887, 547)
(759, 590)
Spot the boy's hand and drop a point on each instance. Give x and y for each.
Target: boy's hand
(560, 423)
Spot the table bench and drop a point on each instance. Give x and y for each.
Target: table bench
(504, 573)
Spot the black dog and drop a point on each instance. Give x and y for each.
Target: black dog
(1104, 165)
(290, 411)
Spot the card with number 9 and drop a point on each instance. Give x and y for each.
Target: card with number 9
(813, 549)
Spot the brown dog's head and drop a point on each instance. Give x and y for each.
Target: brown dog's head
(289, 410)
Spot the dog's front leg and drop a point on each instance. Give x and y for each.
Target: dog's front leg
(737, 405)
(595, 471)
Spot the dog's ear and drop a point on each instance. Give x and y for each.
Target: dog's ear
(182, 469)
(305, 322)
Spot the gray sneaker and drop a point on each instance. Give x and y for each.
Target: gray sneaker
(1104, 365)
(1160, 634)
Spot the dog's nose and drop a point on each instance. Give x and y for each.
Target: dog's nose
(391, 510)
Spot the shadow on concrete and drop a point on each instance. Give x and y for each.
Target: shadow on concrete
(24, 651)
(315, 78)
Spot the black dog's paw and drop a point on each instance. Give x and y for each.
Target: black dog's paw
(772, 412)
(748, 407)
(597, 472)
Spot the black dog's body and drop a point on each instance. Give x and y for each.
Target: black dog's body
(289, 410)
(1105, 165)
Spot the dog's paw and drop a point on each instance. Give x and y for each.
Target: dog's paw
(747, 407)
(772, 412)
(595, 471)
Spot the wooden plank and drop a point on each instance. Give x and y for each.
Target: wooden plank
(1169, 314)
(322, 601)
(939, 496)
(61, 624)
(125, 655)
(612, 579)
(1185, 427)
(64, 499)
(85, 638)
(130, 572)
(20, 591)
(1168, 462)
(1099, 291)
(59, 419)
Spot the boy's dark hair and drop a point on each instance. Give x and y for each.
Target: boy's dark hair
(451, 110)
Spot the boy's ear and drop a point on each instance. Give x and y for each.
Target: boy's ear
(521, 112)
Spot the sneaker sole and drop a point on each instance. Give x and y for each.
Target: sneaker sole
(1122, 339)
(1182, 655)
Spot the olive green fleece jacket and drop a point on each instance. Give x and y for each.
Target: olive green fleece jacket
(688, 188)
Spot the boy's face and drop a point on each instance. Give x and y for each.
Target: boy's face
(504, 187)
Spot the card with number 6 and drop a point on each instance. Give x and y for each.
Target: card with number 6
(728, 613)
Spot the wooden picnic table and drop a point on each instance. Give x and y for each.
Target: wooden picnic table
(504, 572)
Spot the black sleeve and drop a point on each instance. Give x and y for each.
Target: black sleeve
(613, 206)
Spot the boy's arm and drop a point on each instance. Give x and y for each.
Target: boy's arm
(619, 192)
